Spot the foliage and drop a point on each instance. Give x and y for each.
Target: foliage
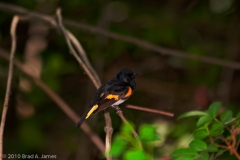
(216, 132)
(126, 146)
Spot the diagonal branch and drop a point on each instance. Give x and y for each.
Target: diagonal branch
(120, 114)
(58, 100)
(139, 42)
(70, 38)
(9, 81)
(79, 53)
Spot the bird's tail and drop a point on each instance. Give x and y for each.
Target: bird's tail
(86, 115)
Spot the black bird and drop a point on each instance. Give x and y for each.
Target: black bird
(111, 93)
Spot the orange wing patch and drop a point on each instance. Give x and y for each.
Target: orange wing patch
(129, 92)
(92, 110)
(112, 96)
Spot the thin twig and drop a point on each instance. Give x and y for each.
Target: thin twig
(150, 110)
(120, 114)
(81, 57)
(232, 150)
(9, 81)
(108, 130)
(58, 100)
(141, 43)
(69, 40)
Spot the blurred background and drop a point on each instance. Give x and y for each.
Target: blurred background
(35, 124)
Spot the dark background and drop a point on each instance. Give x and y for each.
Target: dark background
(208, 28)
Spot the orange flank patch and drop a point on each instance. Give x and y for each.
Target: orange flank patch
(129, 92)
(92, 110)
(112, 96)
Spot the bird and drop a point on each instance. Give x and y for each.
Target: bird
(111, 93)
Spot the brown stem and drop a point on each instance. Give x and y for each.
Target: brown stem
(9, 81)
(141, 43)
(58, 100)
(231, 148)
(120, 114)
(150, 110)
(109, 131)
(78, 52)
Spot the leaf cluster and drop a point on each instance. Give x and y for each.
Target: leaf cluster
(214, 134)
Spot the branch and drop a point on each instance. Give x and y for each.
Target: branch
(9, 81)
(58, 100)
(150, 110)
(109, 132)
(120, 114)
(70, 38)
(231, 148)
(141, 43)
(81, 57)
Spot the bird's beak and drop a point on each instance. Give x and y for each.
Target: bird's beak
(134, 74)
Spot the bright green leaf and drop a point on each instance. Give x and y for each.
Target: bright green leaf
(217, 128)
(214, 109)
(193, 113)
(134, 154)
(147, 133)
(126, 128)
(198, 145)
(184, 158)
(203, 120)
(184, 152)
(212, 148)
(226, 115)
(118, 147)
(200, 134)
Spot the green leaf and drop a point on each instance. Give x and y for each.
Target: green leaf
(184, 158)
(193, 113)
(214, 109)
(126, 128)
(204, 120)
(212, 148)
(200, 134)
(216, 129)
(134, 154)
(184, 152)
(238, 116)
(203, 156)
(198, 145)
(118, 147)
(226, 115)
(147, 133)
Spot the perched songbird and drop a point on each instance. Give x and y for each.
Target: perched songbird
(111, 93)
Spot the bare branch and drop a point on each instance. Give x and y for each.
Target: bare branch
(150, 110)
(141, 43)
(71, 39)
(58, 100)
(9, 81)
(81, 57)
(120, 114)
(109, 131)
